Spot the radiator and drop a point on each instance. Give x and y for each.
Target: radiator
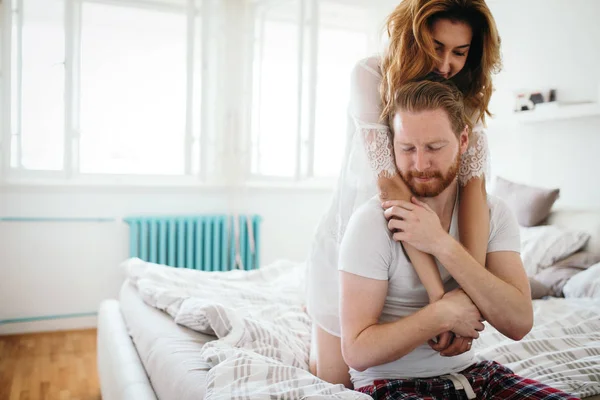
(203, 242)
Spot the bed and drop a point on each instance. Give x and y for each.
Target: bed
(150, 344)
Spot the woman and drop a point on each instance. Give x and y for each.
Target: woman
(458, 40)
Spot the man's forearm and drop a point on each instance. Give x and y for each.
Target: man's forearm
(500, 303)
(383, 343)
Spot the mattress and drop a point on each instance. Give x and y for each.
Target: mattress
(169, 352)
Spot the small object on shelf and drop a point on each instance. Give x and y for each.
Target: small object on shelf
(528, 109)
(557, 111)
(523, 103)
(527, 101)
(536, 98)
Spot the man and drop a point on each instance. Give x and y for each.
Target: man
(386, 321)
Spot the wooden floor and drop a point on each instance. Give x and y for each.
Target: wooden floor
(57, 365)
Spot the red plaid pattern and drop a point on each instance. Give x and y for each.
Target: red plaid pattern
(488, 379)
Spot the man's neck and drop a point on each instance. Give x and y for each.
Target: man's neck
(443, 204)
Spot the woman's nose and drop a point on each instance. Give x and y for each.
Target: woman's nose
(444, 66)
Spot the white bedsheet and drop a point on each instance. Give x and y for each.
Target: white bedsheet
(169, 352)
(264, 335)
(562, 350)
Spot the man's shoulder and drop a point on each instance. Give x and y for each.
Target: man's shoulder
(369, 210)
(369, 217)
(498, 208)
(503, 223)
(365, 249)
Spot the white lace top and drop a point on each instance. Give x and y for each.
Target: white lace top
(368, 154)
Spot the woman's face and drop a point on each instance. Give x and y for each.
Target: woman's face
(452, 41)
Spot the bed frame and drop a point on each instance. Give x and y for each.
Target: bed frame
(122, 374)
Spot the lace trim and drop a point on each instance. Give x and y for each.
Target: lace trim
(380, 151)
(475, 161)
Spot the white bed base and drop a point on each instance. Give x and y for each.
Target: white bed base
(121, 372)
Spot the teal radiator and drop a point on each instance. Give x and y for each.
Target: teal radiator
(203, 242)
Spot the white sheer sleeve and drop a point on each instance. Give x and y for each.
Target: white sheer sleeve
(365, 109)
(475, 162)
(357, 183)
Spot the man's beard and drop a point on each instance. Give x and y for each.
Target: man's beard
(435, 186)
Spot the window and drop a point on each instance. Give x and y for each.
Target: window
(38, 83)
(163, 91)
(275, 101)
(303, 55)
(343, 40)
(133, 90)
(105, 88)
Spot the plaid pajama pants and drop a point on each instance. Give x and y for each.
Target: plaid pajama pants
(487, 379)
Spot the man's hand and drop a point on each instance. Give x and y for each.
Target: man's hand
(414, 223)
(462, 316)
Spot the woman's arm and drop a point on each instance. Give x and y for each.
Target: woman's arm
(473, 211)
(474, 219)
(365, 107)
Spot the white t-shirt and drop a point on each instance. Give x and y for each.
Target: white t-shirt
(368, 250)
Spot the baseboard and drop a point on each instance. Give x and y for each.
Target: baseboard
(65, 324)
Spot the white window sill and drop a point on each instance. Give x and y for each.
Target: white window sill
(308, 184)
(153, 184)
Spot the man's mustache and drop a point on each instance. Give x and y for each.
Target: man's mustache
(425, 175)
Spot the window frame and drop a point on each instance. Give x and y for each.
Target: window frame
(309, 15)
(70, 175)
(219, 115)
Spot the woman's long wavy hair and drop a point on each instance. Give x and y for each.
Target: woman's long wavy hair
(411, 54)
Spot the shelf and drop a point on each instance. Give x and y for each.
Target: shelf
(552, 112)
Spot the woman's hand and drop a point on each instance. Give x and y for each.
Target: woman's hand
(414, 223)
(461, 314)
(442, 341)
(450, 345)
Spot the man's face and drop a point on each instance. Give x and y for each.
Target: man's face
(427, 151)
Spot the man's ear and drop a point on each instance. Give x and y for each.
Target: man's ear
(464, 139)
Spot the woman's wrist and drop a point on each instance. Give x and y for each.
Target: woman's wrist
(436, 295)
(443, 315)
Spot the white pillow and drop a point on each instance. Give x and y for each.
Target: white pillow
(542, 246)
(584, 284)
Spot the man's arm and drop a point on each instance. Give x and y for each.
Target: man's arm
(501, 290)
(366, 343)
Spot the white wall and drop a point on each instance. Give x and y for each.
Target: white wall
(549, 44)
(46, 269)
(62, 268)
